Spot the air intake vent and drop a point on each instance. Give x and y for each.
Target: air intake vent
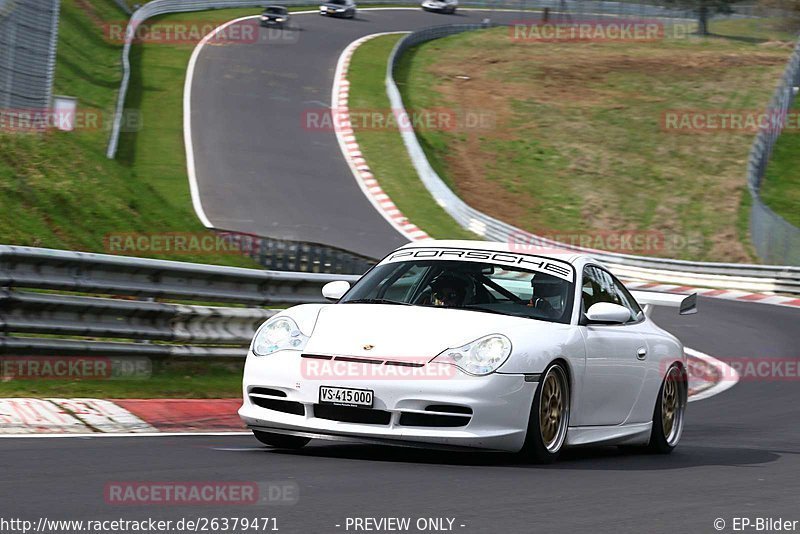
(284, 406)
(346, 414)
(267, 391)
(433, 420)
(449, 408)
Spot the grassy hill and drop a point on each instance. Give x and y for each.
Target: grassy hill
(58, 190)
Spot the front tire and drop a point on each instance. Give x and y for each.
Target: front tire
(281, 441)
(669, 411)
(549, 417)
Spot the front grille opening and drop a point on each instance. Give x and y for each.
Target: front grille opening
(449, 408)
(278, 405)
(433, 420)
(347, 414)
(268, 391)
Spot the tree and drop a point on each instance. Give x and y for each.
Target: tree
(704, 9)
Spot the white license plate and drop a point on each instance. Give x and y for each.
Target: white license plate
(345, 396)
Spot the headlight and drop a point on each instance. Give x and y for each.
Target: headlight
(481, 357)
(280, 20)
(280, 333)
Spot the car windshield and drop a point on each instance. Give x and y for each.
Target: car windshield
(481, 287)
(275, 11)
(338, 2)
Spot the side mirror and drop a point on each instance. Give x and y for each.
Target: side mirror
(689, 305)
(608, 313)
(333, 291)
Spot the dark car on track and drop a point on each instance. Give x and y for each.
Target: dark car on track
(338, 8)
(274, 17)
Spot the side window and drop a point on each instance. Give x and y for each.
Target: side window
(600, 286)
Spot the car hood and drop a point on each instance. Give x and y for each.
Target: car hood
(397, 332)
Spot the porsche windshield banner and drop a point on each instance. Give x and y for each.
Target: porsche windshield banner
(529, 262)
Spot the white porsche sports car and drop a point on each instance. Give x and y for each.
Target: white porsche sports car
(462, 344)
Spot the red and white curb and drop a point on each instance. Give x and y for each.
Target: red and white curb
(352, 152)
(726, 294)
(708, 376)
(57, 417)
(82, 417)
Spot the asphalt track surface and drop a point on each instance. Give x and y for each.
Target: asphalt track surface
(739, 457)
(259, 169)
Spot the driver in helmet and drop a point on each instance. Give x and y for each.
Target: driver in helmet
(549, 294)
(448, 290)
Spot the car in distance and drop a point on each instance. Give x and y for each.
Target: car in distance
(338, 8)
(440, 6)
(471, 345)
(274, 17)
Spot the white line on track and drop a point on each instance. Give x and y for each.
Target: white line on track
(187, 121)
(729, 375)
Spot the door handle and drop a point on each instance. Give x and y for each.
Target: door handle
(641, 353)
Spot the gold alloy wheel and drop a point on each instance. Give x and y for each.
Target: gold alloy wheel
(554, 409)
(672, 406)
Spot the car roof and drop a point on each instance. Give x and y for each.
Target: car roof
(518, 248)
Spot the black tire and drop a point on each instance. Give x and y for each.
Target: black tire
(537, 448)
(664, 437)
(281, 441)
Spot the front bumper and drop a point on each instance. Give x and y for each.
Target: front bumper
(500, 405)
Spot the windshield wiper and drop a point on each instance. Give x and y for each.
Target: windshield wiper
(376, 301)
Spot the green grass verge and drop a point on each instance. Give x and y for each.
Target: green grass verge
(780, 189)
(578, 146)
(58, 190)
(384, 148)
(169, 379)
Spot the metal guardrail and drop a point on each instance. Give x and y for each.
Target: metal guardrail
(282, 255)
(116, 305)
(123, 5)
(774, 238)
(747, 277)
(28, 42)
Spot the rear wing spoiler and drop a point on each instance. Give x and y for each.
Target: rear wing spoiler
(648, 299)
